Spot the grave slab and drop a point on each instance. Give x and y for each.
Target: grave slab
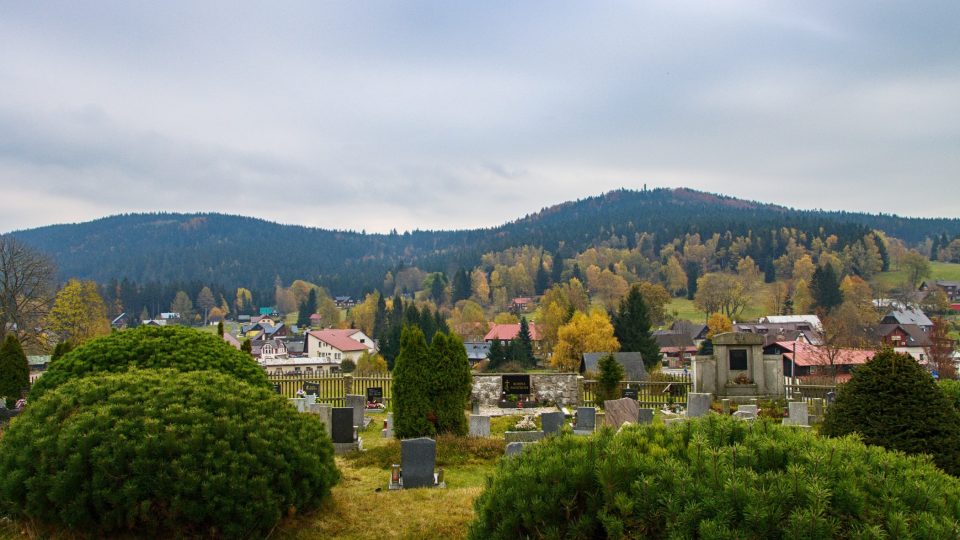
(418, 458)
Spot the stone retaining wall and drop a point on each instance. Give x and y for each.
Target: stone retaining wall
(561, 388)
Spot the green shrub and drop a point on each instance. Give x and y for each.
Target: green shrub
(951, 388)
(892, 401)
(716, 477)
(160, 453)
(176, 347)
(608, 381)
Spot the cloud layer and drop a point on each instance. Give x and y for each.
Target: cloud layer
(381, 115)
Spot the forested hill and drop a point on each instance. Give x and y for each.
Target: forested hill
(240, 251)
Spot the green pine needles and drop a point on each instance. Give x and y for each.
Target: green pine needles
(631, 327)
(716, 477)
(892, 401)
(14, 370)
(608, 380)
(161, 453)
(431, 385)
(149, 347)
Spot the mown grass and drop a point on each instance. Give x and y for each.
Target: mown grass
(938, 270)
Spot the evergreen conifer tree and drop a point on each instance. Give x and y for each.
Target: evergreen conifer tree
(693, 274)
(631, 327)
(542, 281)
(247, 347)
(497, 354)
(61, 349)
(14, 370)
(413, 376)
(556, 273)
(522, 345)
(451, 384)
(825, 288)
(428, 323)
(461, 288)
(608, 380)
(220, 329)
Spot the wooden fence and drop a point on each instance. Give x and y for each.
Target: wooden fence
(809, 392)
(334, 387)
(650, 394)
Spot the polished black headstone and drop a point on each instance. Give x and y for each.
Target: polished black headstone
(342, 420)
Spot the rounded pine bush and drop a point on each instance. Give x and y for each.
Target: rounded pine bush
(892, 401)
(162, 453)
(150, 347)
(716, 477)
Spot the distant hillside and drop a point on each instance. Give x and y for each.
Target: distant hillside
(240, 251)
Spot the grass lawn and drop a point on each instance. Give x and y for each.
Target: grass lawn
(938, 270)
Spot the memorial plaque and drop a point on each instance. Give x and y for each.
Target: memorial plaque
(738, 360)
(311, 388)
(516, 384)
(631, 393)
(375, 394)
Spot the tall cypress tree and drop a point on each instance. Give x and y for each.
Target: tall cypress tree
(14, 370)
(631, 326)
(413, 375)
(825, 288)
(542, 281)
(450, 389)
(693, 274)
(556, 274)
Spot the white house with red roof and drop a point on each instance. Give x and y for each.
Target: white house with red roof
(338, 344)
(508, 332)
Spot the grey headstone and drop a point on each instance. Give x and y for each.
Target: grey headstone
(751, 409)
(515, 448)
(299, 403)
(342, 420)
(387, 432)
(799, 415)
(418, 458)
(725, 404)
(698, 404)
(744, 415)
(311, 399)
(645, 416)
(551, 422)
(325, 410)
(586, 419)
(621, 410)
(475, 406)
(359, 404)
(479, 425)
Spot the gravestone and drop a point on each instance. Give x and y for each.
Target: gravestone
(515, 448)
(752, 410)
(515, 384)
(645, 416)
(551, 422)
(621, 410)
(798, 414)
(744, 415)
(474, 406)
(725, 405)
(311, 388)
(276, 388)
(357, 403)
(631, 393)
(698, 404)
(831, 397)
(342, 429)
(418, 458)
(311, 400)
(300, 403)
(325, 411)
(586, 419)
(387, 431)
(479, 426)
(375, 394)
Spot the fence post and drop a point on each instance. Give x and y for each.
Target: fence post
(347, 384)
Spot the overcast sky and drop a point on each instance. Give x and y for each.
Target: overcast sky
(379, 115)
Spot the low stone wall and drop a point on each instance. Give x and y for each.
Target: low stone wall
(561, 388)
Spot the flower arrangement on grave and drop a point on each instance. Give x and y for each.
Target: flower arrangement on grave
(743, 378)
(301, 393)
(375, 406)
(526, 424)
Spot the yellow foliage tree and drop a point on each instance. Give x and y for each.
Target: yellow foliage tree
(583, 334)
(718, 323)
(78, 313)
(371, 363)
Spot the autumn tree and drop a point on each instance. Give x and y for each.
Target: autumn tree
(631, 327)
(206, 302)
(14, 369)
(583, 334)
(718, 323)
(26, 291)
(675, 276)
(941, 349)
(243, 303)
(917, 268)
(78, 313)
(723, 293)
(371, 363)
(468, 320)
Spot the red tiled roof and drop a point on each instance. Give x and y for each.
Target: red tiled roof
(339, 339)
(811, 355)
(506, 332)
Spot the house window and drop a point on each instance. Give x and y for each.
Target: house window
(738, 360)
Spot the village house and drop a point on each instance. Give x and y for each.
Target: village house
(802, 360)
(505, 333)
(677, 349)
(950, 288)
(338, 344)
(907, 315)
(910, 339)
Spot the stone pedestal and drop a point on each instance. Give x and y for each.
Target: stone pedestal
(479, 426)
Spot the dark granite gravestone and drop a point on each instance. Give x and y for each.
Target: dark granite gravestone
(551, 422)
(516, 384)
(631, 393)
(418, 457)
(645, 416)
(342, 420)
(375, 394)
(586, 419)
(311, 388)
